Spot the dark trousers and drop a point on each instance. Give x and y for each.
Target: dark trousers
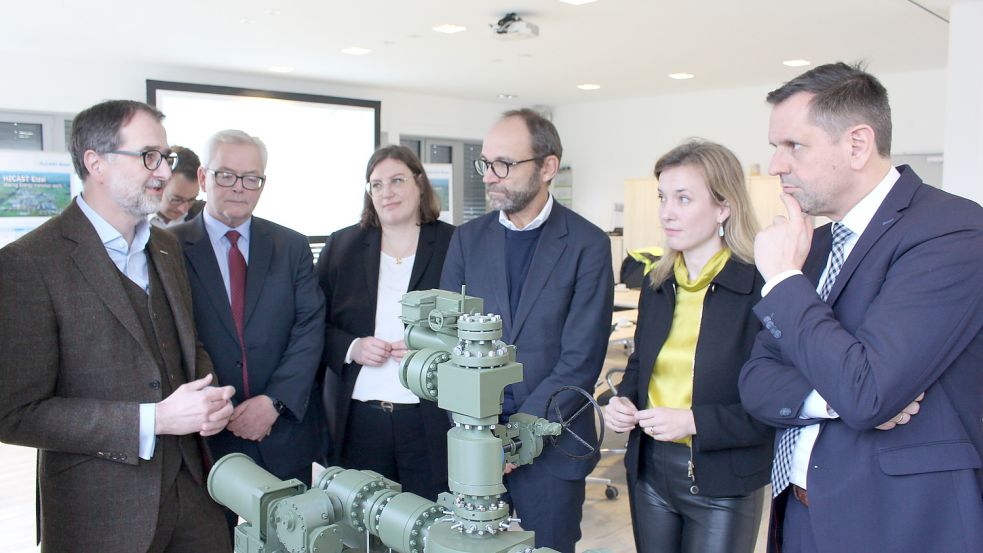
(393, 444)
(669, 518)
(189, 520)
(797, 534)
(549, 506)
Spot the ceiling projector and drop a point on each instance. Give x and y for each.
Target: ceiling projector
(513, 27)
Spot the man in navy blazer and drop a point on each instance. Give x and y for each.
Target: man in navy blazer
(878, 390)
(547, 272)
(272, 350)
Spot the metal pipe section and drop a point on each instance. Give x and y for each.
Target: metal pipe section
(237, 482)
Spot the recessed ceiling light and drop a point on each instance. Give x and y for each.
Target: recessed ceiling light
(246, 21)
(681, 76)
(588, 86)
(797, 63)
(508, 96)
(282, 69)
(272, 12)
(450, 28)
(578, 2)
(355, 51)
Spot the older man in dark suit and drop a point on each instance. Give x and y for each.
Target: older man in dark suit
(547, 272)
(101, 370)
(259, 310)
(871, 361)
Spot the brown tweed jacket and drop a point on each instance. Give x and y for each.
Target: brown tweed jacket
(74, 367)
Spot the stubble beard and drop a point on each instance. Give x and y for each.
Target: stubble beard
(135, 201)
(516, 200)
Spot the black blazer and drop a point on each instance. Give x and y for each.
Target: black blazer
(348, 270)
(731, 451)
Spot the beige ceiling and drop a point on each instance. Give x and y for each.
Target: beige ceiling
(626, 46)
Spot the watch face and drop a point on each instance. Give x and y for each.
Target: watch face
(279, 406)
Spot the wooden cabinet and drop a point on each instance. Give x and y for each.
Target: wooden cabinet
(641, 216)
(764, 192)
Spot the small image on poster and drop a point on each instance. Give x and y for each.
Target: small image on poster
(34, 186)
(441, 177)
(34, 194)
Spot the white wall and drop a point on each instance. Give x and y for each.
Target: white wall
(66, 85)
(607, 142)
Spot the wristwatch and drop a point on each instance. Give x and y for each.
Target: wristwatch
(279, 406)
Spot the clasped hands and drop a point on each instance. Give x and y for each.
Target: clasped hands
(195, 407)
(207, 410)
(664, 424)
(370, 351)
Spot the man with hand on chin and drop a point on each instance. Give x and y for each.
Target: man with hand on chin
(870, 363)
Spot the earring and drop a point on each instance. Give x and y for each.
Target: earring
(720, 231)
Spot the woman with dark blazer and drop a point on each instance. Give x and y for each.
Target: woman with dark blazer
(398, 246)
(696, 461)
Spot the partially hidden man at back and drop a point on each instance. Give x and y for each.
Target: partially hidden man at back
(547, 272)
(259, 310)
(101, 370)
(180, 191)
(871, 358)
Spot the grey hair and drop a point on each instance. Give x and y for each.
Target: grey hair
(233, 136)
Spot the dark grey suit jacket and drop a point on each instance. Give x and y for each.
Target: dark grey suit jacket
(563, 319)
(75, 366)
(284, 335)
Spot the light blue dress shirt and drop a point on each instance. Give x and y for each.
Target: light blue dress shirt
(131, 260)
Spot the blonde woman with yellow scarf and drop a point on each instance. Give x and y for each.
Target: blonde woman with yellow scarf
(696, 461)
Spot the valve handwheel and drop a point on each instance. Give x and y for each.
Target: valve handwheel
(553, 414)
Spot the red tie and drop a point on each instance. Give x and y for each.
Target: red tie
(237, 288)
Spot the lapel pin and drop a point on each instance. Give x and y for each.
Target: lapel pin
(163, 252)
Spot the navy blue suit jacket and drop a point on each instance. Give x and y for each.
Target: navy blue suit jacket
(284, 335)
(905, 316)
(562, 321)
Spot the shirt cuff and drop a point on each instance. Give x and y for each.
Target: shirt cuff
(148, 435)
(815, 407)
(775, 280)
(348, 354)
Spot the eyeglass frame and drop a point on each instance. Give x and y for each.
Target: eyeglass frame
(368, 184)
(490, 164)
(175, 202)
(170, 156)
(214, 173)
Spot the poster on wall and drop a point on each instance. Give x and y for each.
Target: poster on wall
(441, 177)
(33, 187)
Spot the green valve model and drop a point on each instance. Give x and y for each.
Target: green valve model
(457, 359)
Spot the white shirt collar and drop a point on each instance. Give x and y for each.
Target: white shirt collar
(535, 224)
(861, 214)
(216, 229)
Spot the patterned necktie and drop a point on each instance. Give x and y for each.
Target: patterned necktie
(237, 290)
(781, 470)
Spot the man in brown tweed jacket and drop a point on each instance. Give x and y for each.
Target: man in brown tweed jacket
(100, 367)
